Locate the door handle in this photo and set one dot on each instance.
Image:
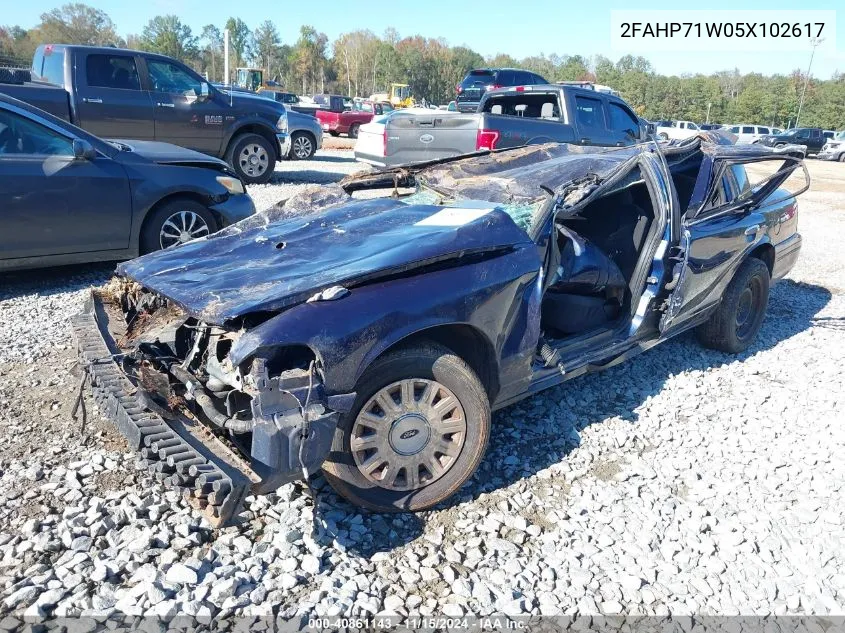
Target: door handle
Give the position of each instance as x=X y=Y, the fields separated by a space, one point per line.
x=752 y=230
x=91 y=100
x=165 y=105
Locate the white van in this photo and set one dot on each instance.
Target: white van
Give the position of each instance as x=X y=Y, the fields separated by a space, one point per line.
x=750 y=133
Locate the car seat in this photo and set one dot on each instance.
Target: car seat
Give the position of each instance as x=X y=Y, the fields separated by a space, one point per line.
x=587 y=289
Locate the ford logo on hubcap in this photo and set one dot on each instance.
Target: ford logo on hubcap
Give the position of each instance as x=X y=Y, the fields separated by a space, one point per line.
x=407 y=435
x=426 y=138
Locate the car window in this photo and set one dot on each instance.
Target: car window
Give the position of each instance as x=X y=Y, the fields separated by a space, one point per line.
x=167 y=77
x=816 y=133
x=505 y=78
x=735 y=129
x=112 y=71
x=477 y=78
x=19 y=135
x=802 y=134
x=621 y=120
x=762 y=130
x=525 y=104
x=740 y=179
x=748 y=129
x=589 y=113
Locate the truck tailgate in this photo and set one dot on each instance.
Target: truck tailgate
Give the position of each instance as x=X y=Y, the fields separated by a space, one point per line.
x=421 y=137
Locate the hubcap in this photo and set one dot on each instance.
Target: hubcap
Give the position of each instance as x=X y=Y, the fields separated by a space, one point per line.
x=748 y=308
x=181 y=227
x=301 y=147
x=408 y=434
x=253 y=160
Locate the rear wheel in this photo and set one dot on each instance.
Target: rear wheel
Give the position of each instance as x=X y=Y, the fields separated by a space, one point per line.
x=842 y=157
x=417 y=431
x=353 y=130
x=663 y=136
x=252 y=157
x=736 y=322
x=174 y=223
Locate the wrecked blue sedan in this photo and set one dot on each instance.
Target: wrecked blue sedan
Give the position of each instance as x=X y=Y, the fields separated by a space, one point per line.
x=373 y=337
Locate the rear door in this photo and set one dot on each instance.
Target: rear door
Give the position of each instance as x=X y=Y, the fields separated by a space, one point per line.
x=52 y=203
x=717 y=232
x=182 y=115
x=110 y=101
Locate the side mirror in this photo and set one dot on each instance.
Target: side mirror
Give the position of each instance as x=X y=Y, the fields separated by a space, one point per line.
x=205 y=92
x=651 y=129
x=83 y=150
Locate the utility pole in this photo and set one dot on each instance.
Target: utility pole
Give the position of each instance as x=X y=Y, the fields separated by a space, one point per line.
x=225 y=56
x=708 y=111
x=814 y=42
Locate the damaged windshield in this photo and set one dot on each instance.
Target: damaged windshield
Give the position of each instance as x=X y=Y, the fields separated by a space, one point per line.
x=521 y=214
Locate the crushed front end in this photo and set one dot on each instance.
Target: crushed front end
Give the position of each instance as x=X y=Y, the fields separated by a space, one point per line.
x=213 y=431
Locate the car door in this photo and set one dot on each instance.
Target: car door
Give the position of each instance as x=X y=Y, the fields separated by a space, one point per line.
x=188 y=112
x=719 y=230
x=592 y=126
x=52 y=203
x=817 y=140
x=110 y=101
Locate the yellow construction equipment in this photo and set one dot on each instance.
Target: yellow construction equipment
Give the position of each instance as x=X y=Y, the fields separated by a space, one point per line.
x=399 y=97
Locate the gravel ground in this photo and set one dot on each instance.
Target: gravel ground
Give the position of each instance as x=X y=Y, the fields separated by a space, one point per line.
x=685 y=481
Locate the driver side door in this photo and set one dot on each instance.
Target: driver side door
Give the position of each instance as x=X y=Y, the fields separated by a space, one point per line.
x=182 y=116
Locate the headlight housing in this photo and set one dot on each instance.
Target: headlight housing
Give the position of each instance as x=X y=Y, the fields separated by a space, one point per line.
x=282 y=123
x=233 y=185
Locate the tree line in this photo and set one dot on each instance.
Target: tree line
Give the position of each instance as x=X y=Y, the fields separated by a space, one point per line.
x=361 y=62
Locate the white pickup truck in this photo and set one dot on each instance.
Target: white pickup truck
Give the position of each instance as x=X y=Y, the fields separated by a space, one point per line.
x=676 y=129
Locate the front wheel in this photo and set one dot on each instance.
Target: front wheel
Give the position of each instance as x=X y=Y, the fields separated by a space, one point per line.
x=302 y=146
x=417 y=431
x=174 y=223
x=842 y=157
x=253 y=158
x=735 y=323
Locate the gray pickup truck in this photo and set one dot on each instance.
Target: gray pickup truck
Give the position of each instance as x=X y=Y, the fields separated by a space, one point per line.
x=506 y=117
x=116 y=93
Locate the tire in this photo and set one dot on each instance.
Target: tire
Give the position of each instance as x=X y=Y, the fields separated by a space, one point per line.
x=179 y=214
x=253 y=171
x=735 y=323
x=841 y=158
x=663 y=136
x=423 y=366
x=302 y=146
x=779 y=145
x=353 y=130
x=334 y=132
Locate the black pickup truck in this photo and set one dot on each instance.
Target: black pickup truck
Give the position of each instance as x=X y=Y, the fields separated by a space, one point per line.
x=117 y=93
x=506 y=117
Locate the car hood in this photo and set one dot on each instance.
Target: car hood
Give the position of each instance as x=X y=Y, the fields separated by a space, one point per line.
x=168 y=154
x=255 y=102
x=263 y=265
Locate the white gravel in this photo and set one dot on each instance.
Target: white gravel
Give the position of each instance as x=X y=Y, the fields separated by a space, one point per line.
x=685 y=481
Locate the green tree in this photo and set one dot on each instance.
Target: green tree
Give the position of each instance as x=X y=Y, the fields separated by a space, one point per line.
x=266 y=48
x=76 y=23
x=167 y=35
x=240 y=43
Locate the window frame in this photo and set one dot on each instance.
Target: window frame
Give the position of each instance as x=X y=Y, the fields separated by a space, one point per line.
x=150 y=61
x=52 y=130
x=602 y=125
x=110 y=56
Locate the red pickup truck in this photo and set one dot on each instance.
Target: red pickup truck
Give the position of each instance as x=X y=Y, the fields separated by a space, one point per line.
x=337 y=119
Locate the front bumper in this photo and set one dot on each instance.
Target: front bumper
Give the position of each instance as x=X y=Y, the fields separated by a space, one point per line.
x=183 y=453
x=234 y=209
x=284 y=144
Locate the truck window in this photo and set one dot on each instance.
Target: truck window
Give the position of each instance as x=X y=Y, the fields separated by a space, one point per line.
x=748 y=129
x=762 y=130
x=19 y=135
x=167 y=77
x=621 y=120
x=527 y=104
x=54 y=68
x=112 y=71
x=589 y=113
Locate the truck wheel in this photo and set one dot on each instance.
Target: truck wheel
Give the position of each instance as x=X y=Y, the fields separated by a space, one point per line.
x=334 y=132
x=417 y=431
x=302 y=146
x=735 y=323
x=353 y=130
x=663 y=136
x=252 y=157
x=176 y=222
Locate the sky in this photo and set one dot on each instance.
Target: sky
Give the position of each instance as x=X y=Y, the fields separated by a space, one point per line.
x=522 y=28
